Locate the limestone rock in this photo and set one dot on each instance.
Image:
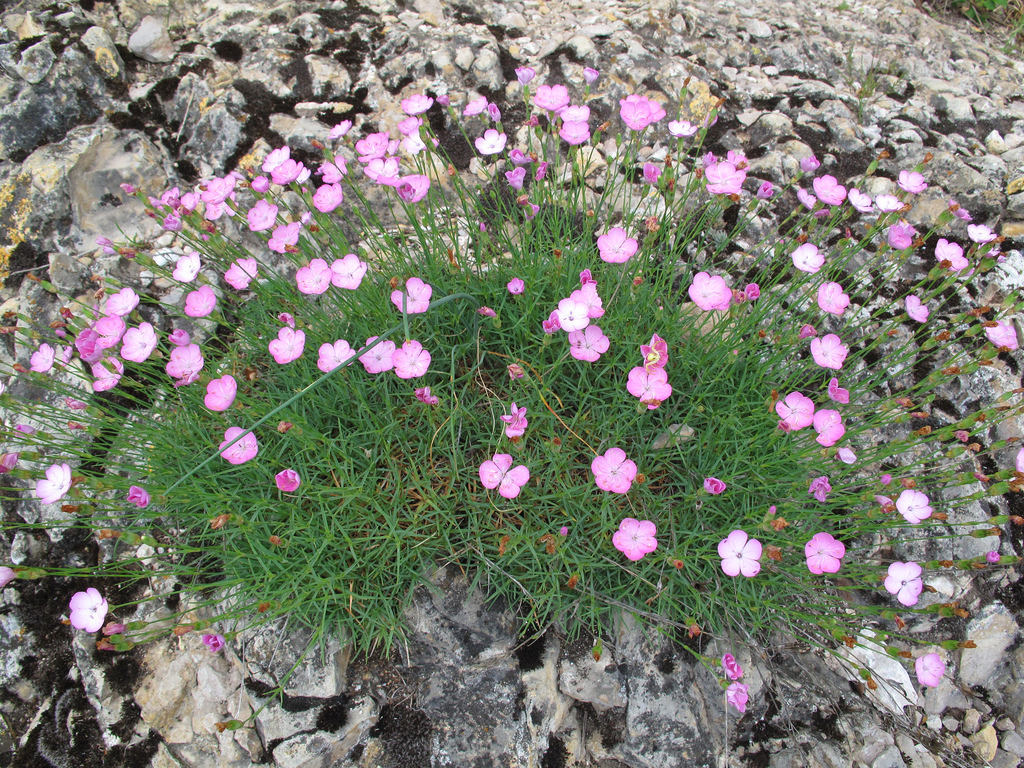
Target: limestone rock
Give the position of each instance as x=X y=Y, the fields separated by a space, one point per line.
x=151 y=42
x=992 y=630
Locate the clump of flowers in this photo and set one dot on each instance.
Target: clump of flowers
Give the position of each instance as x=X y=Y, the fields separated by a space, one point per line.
x=331 y=400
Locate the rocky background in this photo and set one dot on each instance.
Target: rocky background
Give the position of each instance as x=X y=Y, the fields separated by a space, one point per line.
x=98 y=93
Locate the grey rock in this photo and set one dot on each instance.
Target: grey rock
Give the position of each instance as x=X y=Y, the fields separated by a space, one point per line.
x=104 y=53
x=942 y=697
x=596 y=682
x=971 y=721
x=151 y=42
x=890 y=758
x=1004 y=760
x=771 y=126
x=758 y=29
x=1012 y=741
x=329 y=79
x=992 y=630
x=35 y=62
x=432 y=11
x=213 y=139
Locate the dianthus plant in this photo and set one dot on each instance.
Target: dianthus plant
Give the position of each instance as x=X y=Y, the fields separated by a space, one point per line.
x=578 y=378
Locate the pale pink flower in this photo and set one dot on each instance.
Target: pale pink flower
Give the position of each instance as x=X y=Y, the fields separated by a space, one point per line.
x=635 y=538
x=288 y=345
x=241 y=451
x=284 y=237
x=929 y=669
x=55 y=485
x=515 y=371
x=951 y=252
x=525 y=74
x=724 y=178
x=765 y=191
x=499 y=473
x=829 y=190
x=888 y=203
x=410 y=360
x=240 y=273
x=110 y=329
x=515 y=286
x=904 y=581
x=1002 y=334
x=809 y=164
x=807 y=331
x=1018 y=462
x=651 y=387
x=916 y=309
x=587 y=295
x=476 y=106
x=860 y=201
x=375 y=145
x=416 y=104
x=416 y=296
x=682 y=128
x=88 y=610
x=731 y=668
x=275 y=158
x=515 y=421
x=413 y=188
x=220 y=393
x=200 y=302
x=807 y=258
x=314 y=278
x=709 y=292
x=333 y=355
x=980 y=234
x=837 y=393
x=551 y=97
x=516 y=177
x=613 y=471
x=380 y=358
x=328 y=197
x=740 y=554
x=832 y=299
x=829 y=426
x=185 y=363
x=820 y=488
x=914 y=505
x=829 y=351
x=288 y=171
x=7 y=575
x=796 y=411
x=347 y=272
x=575 y=113
x=139 y=343
x=260 y=184
x=615 y=246
x=901 y=235
x=333 y=171
x=737 y=695
x=714 y=486
x=574 y=132
x=824 y=553
x=491 y=143
x=424 y=396
x=807 y=200
x=123 y=302
x=912 y=181
x=590 y=75
x=846 y=455
x=589 y=344
x=638 y=112
x=41 y=361
x=187 y=267
x=106 y=374
x=287 y=480
x=572 y=315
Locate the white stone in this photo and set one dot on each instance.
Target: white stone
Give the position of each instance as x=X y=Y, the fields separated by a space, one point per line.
x=151 y=42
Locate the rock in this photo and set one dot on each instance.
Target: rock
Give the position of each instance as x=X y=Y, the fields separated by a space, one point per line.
x=1004 y=760
x=35 y=62
x=971 y=721
x=895 y=690
x=890 y=758
x=758 y=29
x=1013 y=742
x=432 y=11
x=992 y=630
x=985 y=742
x=151 y=42
x=1012 y=229
x=98 y=43
x=994 y=143
x=595 y=682
x=942 y=697
x=770 y=127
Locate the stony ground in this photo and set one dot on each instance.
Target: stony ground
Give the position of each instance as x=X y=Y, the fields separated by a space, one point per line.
x=98 y=93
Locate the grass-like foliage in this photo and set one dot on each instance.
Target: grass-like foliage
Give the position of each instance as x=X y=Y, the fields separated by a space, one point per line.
x=584 y=382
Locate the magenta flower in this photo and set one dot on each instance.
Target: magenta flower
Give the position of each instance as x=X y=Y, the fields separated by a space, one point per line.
x=824 y=553
x=714 y=486
x=993 y=557
x=417 y=296
x=615 y=246
x=179 y=337
x=651 y=387
x=261 y=216
x=951 y=252
x=807 y=258
x=914 y=505
x=837 y=393
x=552 y=324
x=724 y=178
x=110 y=329
x=240 y=273
x=284 y=237
x=860 y=201
x=314 y=278
x=88 y=610
x=138 y=496
x=574 y=132
x=411 y=360
x=260 y=184
x=900 y=235
x=55 y=485
x=220 y=393
x=499 y=473
x=829 y=426
x=333 y=355
x=635 y=538
x=424 y=396
x=904 y=581
x=655 y=353
x=486 y=312
x=185 y=363
x=8 y=461
x=638 y=112
x=929 y=669
x=213 y=642
x=980 y=234
x=1002 y=334
x=380 y=358
x=912 y=181
x=287 y=346
x=515 y=421
x=613 y=471
x=551 y=97
x=589 y=344
x=287 y=480
x=651 y=173
x=106 y=374
x=491 y=143
x=42 y=359
x=820 y=488
x=347 y=272
x=730 y=667
x=740 y=554
x=87 y=345
x=241 y=451
x=413 y=187
x=709 y=292
x=200 y=302
x=829 y=351
x=736 y=695
x=516 y=177
x=122 y=303
x=796 y=411
x=832 y=299
x=515 y=286
x=807 y=331
x=829 y=190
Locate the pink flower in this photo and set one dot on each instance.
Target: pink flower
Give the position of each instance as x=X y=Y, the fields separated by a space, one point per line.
x=314 y=278
x=829 y=426
x=261 y=216
x=912 y=181
x=491 y=143
x=379 y=359
x=213 y=642
x=138 y=496
x=590 y=75
x=993 y=557
x=916 y=309
x=260 y=184
x=275 y=158
x=724 y=178
x=287 y=480
x=42 y=359
x=287 y=346
x=1018 y=462
x=553 y=324
x=824 y=553
x=901 y=235
x=832 y=299
x=525 y=74
x=914 y=506
x=765 y=191
x=347 y=272
x=417 y=104
x=731 y=668
x=655 y=353
x=288 y=171
x=587 y=295
x=860 y=201
x=241 y=451
x=476 y=106
x=575 y=113
x=846 y=455
x=240 y=273
x=829 y=351
x=75 y=405
x=179 y=337
x=615 y=246
x=929 y=668
x=87 y=345
x=551 y=97
x=516 y=177
x=740 y=554
x=410 y=360
x=736 y=695
x=122 y=303
x=651 y=173
x=515 y=371
x=572 y=315
x=904 y=581
x=638 y=112
x=373 y=146
x=807 y=331
x=796 y=411
x=284 y=236
x=807 y=258
x=574 y=132
x=682 y=128
x=589 y=344
x=416 y=296
x=110 y=329
x=139 y=343
x=7 y=575
x=888 y=203
x=55 y=485
x=714 y=486
x=424 y=396
x=185 y=364
x=837 y=393
x=809 y=164
x=486 y=312
x=828 y=190
x=106 y=373
x=413 y=188
x=333 y=355
x=383 y=170
x=613 y=471
x=651 y=387
x=333 y=171
x=1002 y=334
x=635 y=538
x=328 y=197
x=515 y=421
x=709 y=292
x=951 y=252
x=515 y=286
x=220 y=393
x=88 y=610
x=499 y=473
x=980 y=234
x=200 y=302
